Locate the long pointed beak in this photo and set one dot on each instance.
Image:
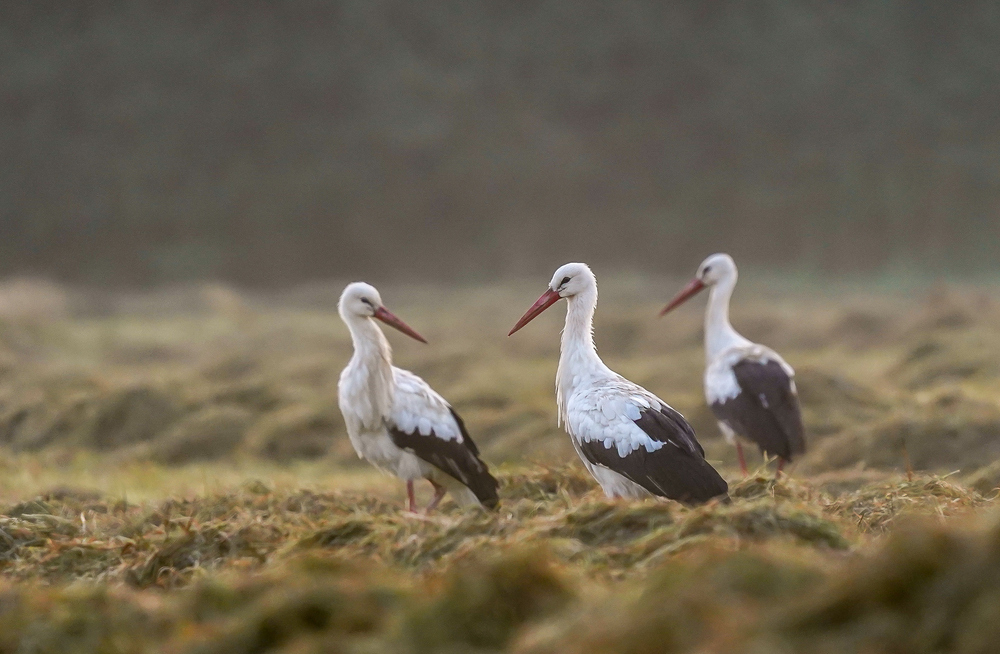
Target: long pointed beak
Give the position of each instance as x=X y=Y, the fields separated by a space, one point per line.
x=548 y=298
x=388 y=318
x=688 y=291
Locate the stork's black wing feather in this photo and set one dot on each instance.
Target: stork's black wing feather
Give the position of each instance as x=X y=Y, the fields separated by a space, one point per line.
x=677 y=471
x=767 y=409
x=669 y=423
x=466 y=439
x=458 y=460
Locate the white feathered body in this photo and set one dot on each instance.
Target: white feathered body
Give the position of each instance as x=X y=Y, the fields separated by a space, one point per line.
x=374 y=394
x=604 y=410
x=748 y=386
x=725 y=348
x=597 y=404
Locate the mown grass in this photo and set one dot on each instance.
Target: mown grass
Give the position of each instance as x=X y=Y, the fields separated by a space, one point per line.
x=255 y=569
x=175 y=478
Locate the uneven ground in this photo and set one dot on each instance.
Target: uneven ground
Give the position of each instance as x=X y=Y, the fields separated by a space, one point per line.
x=177 y=478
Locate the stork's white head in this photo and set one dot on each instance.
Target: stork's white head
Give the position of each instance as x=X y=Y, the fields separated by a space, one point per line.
x=359 y=299
x=569 y=280
x=572 y=279
x=714 y=269
x=362 y=301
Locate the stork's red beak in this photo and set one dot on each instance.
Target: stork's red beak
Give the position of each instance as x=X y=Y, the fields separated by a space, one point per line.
x=386 y=316
x=691 y=289
x=548 y=298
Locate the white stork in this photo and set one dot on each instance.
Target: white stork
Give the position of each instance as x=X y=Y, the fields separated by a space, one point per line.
x=631 y=441
x=749 y=387
x=395 y=420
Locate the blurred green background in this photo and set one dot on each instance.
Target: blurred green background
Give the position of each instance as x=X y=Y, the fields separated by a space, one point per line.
x=268 y=143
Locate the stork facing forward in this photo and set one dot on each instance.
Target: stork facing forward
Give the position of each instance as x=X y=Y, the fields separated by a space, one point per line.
x=631 y=441
x=395 y=420
x=749 y=387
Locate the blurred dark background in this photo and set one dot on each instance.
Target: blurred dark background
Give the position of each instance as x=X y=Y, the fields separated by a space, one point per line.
x=267 y=143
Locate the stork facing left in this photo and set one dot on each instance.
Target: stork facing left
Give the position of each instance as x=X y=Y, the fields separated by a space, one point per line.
x=749 y=387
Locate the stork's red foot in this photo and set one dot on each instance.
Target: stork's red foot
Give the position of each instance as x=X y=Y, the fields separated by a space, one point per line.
x=412 y=504
x=439 y=492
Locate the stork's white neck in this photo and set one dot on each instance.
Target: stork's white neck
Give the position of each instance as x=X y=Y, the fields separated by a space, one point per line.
x=719 y=333
x=578 y=360
x=369 y=372
x=369 y=341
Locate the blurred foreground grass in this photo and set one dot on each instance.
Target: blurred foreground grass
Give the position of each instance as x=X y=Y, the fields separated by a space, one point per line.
x=175 y=478
x=785 y=566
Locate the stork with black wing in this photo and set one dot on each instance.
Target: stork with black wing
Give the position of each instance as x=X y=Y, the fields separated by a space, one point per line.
x=749 y=387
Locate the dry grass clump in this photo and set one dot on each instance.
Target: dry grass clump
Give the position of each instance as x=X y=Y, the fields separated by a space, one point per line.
x=482 y=604
x=950 y=352
x=709 y=602
x=876 y=507
x=209 y=434
x=307 y=605
x=87 y=619
x=929 y=589
x=298 y=432
x=832 y=403
x=543 y=482
x=985 y=480
x=946 y=429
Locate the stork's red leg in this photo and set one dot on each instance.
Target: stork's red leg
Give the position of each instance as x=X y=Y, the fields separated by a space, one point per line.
x=439 y=492
x=409 y=495
x=743 y=462
x=781 y=464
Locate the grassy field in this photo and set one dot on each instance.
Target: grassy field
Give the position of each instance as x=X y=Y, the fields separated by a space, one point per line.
x=176 y=478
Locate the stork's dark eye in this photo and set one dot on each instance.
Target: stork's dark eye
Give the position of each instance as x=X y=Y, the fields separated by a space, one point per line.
x=564 y=281
x=707 y=270
x=367 y=301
